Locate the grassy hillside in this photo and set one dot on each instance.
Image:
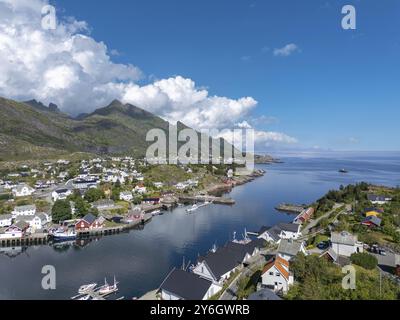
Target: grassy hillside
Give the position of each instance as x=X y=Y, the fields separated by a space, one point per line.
x=31 y=130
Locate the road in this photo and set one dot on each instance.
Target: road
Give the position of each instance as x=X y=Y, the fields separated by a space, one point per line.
x=258 y=261
x=315 y=222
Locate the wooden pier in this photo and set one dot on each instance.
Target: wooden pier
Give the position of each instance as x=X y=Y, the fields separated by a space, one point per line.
x=290 y=208
x=30 y=240
x=215 y=200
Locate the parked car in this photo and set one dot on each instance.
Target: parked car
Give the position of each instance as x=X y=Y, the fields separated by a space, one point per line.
x=323 y=245
x=382 y=252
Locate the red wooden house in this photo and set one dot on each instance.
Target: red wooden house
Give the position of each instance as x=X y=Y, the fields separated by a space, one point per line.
x=89 y=222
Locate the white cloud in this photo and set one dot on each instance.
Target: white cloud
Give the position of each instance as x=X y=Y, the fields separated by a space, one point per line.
x=286 y=50
x=68 y=67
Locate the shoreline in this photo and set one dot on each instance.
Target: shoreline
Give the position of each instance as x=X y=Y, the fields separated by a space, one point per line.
x=212 y=192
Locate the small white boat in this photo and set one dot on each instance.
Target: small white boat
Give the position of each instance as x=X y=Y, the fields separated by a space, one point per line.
x=192 y=208
x=108 y=289
x=86 y=288
x=156 y=212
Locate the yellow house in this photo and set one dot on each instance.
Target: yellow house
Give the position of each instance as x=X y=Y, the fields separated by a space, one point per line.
x=371 y=213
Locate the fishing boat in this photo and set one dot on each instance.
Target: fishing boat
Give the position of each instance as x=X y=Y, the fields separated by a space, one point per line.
x=64 y=235
x=108 y=289
x=86 y=288
x=343 y=171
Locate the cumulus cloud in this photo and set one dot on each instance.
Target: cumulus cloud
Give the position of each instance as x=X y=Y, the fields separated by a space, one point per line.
x=68 y=67
x=286 y=50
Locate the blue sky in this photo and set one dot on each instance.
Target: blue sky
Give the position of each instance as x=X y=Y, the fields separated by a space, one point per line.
x=338 y=90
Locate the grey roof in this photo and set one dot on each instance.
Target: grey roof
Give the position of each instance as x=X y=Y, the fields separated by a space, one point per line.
x=291 y=227
x=343 y=238
x=264 y=294
x=186 y=285
x=104 y=203
x=223 y=260
x=374 y=197
x=25 y=208
x=289 y=247
x=230 y=256
x=375 y=220
x=59 y=191
x=89 y=218
x=25 y=218
x=5 y=216
x=275 y=231
x=21 y=225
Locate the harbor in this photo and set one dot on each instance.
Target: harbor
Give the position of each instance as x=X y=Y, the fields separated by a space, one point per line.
x=143 y=258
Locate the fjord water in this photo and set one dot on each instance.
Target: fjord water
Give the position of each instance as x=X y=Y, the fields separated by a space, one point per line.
x=142 y=258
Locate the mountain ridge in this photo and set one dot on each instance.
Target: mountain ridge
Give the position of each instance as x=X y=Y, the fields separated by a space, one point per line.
x=31 y=130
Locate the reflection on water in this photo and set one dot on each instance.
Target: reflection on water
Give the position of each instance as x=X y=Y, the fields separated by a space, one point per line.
x=141 y=259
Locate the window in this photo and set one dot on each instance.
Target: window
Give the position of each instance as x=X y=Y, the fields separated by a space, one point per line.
x=271 y=273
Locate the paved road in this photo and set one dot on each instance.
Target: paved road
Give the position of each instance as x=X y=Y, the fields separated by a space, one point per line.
x=315 y=222
x=256 y=262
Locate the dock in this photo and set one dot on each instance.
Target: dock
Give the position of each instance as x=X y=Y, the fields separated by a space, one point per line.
x=28 y=240
x=215 y=200
x=290 y=208
x=114 y=230
x=94 y=295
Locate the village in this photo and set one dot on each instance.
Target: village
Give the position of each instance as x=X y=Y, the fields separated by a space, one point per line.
x=70 y=199
x=283 y=261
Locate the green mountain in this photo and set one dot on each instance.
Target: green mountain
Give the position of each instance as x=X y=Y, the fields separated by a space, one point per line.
x=31 y=130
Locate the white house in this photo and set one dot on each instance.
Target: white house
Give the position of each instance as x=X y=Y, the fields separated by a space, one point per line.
x=61 y=194
x=126 y=196
x=158 y=185
x=36 y=222
x=289 y=248
x=141 y=189
x=345 y=244
x=5 y=220
x=375 y=199
x=276 y=275
x=281 y=231
x=23 y=190
x=29 y=210
x=184 y=285
x=181 y=186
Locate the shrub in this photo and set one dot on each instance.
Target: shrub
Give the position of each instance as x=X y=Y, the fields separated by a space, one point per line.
x=364 y=260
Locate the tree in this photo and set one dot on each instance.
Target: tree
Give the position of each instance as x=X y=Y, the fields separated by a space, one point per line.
x=81 y=207
x=93 y=195
x=61 y=211
x=365 y=260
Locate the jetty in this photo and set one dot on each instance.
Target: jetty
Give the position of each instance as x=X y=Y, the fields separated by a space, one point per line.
x=212 y=199
x=290 y=208
x=28 y=240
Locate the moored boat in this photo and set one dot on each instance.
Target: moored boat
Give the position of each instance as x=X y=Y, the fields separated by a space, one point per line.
x=107 y=289
x=64 y=235
x=87 y=287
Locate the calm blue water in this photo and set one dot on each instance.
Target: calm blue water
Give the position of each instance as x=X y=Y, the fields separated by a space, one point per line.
x=141 y=259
